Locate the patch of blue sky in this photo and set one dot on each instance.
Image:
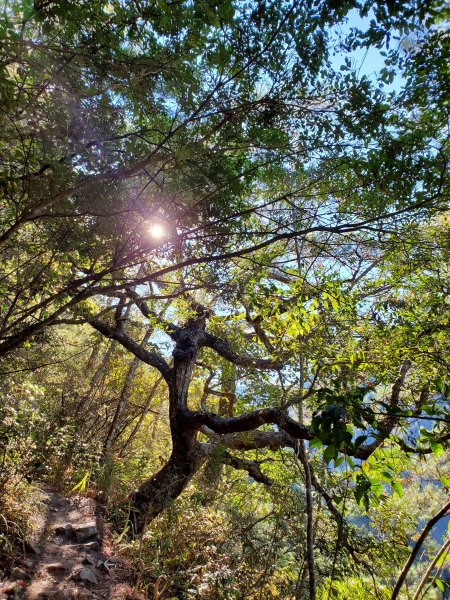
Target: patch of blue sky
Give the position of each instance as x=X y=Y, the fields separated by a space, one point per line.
x=365 y=61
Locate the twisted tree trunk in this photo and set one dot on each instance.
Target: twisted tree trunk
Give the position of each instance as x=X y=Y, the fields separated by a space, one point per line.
x=232 y=432
x=187 y=455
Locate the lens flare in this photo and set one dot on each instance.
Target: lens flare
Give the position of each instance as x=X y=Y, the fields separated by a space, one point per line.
x=157 y=231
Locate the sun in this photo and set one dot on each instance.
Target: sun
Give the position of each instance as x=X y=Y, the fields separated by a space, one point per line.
x=157 y=231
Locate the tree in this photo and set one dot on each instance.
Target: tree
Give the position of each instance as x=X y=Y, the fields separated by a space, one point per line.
x=211 y=154
x=237 y=101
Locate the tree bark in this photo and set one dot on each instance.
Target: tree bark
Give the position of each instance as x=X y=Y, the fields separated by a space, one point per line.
x=164 y=487
x=304 y=459
x=187 y=455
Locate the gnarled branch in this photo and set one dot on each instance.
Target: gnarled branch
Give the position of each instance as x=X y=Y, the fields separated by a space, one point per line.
x=224 y=349
x=150 y=358
x=253 y=467
x=250 y=421
x=252 y=440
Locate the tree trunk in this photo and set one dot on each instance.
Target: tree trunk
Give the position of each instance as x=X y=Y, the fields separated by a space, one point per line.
x=187 y=456
x=304 y=459
x=164 y=487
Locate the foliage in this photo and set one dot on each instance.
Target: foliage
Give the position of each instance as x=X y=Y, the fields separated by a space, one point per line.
x=224 y=251
x=19 y=504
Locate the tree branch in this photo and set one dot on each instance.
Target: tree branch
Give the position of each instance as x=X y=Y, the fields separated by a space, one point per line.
x=224 y=349
x=170 y=328
x=251 y=440
x=150 y=358
x=252 y=467
x=388 y=423
x=418 y=450
x=426 y=530
x=256 y=323
x=250 y=421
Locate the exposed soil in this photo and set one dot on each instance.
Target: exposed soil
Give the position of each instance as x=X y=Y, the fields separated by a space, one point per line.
x=70 y=557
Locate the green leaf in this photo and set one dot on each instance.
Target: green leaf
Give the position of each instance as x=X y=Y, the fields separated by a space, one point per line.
x=440 y=585
x=329 y=453
x=398 y=488
x=82 y=484
x=365 y=467
x=315 y=443
x=386 y=476
x=441 y=560
x=436 y=448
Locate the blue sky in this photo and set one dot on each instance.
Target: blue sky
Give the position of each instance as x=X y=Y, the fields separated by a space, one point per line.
x=366 y=61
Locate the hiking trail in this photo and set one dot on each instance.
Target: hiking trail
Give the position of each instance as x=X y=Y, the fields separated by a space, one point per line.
x=70 y=556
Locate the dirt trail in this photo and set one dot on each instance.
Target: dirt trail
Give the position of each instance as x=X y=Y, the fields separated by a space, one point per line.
x=72 y=557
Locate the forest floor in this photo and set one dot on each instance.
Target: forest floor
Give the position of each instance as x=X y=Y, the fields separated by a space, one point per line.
x=71 y=556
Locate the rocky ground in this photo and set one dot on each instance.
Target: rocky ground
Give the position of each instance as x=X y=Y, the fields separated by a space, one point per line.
x=70 y=557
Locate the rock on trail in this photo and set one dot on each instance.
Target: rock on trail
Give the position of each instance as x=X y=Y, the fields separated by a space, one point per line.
x=71 y=559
